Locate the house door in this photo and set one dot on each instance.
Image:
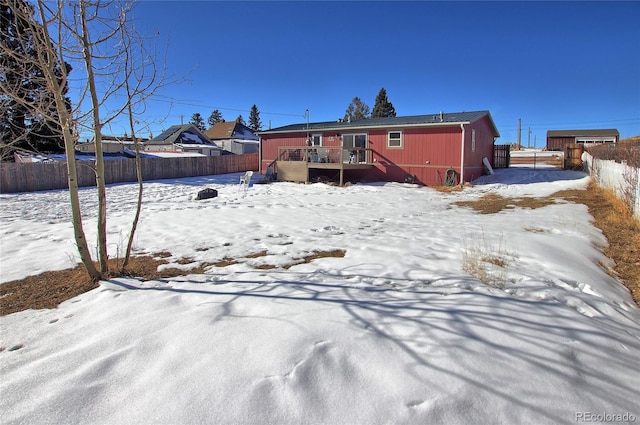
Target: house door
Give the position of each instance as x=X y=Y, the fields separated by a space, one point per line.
x=353 y=146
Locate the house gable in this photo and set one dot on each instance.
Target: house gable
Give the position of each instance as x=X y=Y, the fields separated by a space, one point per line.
x=230 y=130
x=183 y=138
x=185 y=134
x=233 y=137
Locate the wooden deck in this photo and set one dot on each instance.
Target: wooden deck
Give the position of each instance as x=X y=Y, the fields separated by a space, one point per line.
x=294 y=163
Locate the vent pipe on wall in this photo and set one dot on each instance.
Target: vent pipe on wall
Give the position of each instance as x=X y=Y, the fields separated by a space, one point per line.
x=462 y=156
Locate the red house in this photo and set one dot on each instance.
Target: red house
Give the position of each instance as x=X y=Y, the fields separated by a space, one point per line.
x=434 y=150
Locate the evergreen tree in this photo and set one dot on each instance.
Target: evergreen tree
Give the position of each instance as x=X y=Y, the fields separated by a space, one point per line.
x=215 y=117
x=383 y=108
x=240 y=120
x=357 y=110
x=198 y=121
x=254 y=119
x=23 y=128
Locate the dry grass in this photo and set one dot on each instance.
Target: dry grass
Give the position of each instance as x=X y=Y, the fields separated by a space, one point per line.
x=620 y=228
x=628 y=150
x=336 y=253
x=487 y=261
x=611 y=215
x=447 y=189
x=49 y=289
x=257 y=254
x=226 y=261
x=492 y=203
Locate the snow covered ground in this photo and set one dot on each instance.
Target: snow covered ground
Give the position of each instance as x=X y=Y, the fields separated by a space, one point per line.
x=396 y=332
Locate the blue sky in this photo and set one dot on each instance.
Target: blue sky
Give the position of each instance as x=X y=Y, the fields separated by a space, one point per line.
x=554 y=65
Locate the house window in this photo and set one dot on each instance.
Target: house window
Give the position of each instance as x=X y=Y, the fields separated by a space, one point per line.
x=394 y=139
x=473 y=140
x=354 y=146
x=316 y=139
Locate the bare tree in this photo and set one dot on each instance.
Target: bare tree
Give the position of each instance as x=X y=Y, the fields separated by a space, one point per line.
x=97 y=37
x=41 y=22
x=142 y=80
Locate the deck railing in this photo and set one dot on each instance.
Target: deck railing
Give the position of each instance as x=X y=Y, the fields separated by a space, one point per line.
x=325 y=155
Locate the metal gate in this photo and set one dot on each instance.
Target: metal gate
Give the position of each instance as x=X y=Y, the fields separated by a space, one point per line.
x=501 y=156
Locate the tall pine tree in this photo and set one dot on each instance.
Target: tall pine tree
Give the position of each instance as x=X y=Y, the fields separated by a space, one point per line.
x=215 y=117
x=383 y=108
x=23 y=128
x=254 y=119
x=198 y=121
x=357 y=110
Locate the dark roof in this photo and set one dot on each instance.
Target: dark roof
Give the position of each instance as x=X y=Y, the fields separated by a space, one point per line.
x=583 y=133
x=164 y=136
x=186 y=133
x=438 y=119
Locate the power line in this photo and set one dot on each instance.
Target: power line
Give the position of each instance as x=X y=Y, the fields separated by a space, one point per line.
x=186 y=103
x=576 y=122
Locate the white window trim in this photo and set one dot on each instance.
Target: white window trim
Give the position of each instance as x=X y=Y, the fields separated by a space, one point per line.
x=595 y=139
x=401 y=146
x=314 y=135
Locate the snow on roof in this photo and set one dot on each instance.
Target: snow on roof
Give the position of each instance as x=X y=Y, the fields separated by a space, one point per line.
x=166 y=154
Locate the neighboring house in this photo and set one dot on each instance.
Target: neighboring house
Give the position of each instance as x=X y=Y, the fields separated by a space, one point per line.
x=111 y=144
x=234 y=137
x=559 y=140
x=185 y=138
x=431 y=149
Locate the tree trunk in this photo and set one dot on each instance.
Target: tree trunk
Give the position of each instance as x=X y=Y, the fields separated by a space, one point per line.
x=134 y=224
x=136 y=218
x=78 y=230
x=97 y=126
x=46 y=51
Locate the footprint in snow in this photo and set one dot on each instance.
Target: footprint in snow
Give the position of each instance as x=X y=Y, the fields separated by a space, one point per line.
x=414 y=403
x=14 y=348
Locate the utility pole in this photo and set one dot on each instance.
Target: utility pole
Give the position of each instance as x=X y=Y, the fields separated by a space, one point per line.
x=529 y=138
x=181 y=119
x=519 y=134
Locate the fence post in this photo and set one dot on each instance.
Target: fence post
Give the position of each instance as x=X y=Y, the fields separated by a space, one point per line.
x=636 y=209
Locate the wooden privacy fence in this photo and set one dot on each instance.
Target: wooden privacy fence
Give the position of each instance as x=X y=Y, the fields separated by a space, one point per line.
x=501 y=156
x=35 y=176
x=573 y=157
